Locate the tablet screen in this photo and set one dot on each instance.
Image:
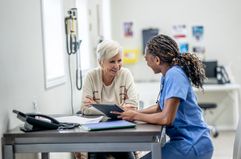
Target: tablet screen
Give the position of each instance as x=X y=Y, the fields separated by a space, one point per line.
x=107 y=108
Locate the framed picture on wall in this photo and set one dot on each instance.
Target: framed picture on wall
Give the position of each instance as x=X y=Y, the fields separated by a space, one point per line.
x=128 y=30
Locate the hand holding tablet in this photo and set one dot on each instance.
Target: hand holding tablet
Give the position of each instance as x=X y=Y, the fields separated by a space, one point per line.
x=107 y=109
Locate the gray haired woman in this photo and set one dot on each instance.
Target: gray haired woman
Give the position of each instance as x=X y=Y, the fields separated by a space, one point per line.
x=109 y=83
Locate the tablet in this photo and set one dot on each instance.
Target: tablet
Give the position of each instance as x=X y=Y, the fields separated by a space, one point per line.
x=118 y=124
x=107 y=108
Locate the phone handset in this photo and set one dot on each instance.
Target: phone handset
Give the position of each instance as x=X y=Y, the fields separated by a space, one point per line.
x=43 y=117
x=36 y=116
x=36 y=122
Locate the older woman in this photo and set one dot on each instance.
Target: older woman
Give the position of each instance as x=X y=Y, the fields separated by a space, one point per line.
x=109 y=83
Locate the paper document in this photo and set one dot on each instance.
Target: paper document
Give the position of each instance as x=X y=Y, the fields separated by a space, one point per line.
x=78 y=119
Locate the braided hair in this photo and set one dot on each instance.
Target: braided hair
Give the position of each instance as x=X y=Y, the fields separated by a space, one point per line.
x=166 y=49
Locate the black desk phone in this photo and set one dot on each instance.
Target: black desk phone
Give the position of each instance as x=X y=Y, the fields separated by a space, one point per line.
x=37 y=122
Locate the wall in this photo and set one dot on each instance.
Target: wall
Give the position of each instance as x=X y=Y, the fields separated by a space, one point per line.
x=221 y=22
x=219 y=17
x=21 y=65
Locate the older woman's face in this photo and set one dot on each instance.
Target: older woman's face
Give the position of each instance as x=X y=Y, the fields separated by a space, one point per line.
x=113 y=65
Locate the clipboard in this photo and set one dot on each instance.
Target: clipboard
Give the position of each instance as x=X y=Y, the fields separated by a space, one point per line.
x=107 y=108
x=118 y=124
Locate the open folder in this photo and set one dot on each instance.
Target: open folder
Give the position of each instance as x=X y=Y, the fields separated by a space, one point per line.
x=117 y=124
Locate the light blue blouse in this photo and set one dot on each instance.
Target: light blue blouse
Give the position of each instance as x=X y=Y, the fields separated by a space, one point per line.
x=188 y=129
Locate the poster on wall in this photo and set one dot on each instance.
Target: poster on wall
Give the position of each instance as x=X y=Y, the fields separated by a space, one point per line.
x=180 y=35
x=197 y=32
x=130 y=56
x=128 y=29
x=198 y=35
x=147 y=34
x=183 y=47
x=198 y=49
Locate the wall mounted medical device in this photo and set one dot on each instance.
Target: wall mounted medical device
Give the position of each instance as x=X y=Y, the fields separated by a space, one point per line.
x=73 y=42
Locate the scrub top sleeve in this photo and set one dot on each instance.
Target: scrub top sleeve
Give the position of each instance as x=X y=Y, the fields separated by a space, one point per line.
x=176 y=85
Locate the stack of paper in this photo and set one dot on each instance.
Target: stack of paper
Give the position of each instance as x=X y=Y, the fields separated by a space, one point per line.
x=78 y=119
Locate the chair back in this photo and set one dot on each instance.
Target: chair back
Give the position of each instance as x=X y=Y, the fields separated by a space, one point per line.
x=237 y=142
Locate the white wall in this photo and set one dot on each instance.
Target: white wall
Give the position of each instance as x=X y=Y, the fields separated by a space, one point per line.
x=21 y=65
x=219 y=17
x=222 y=33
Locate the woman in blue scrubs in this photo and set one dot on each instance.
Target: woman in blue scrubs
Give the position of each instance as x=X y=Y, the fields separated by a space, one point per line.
x=177 y=106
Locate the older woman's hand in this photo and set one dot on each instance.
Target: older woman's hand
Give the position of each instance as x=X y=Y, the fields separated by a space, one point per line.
x=88 y=101
x=127 y=115
x=129 y=107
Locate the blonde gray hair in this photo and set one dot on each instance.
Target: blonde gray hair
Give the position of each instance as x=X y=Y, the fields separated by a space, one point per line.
x=107 y=49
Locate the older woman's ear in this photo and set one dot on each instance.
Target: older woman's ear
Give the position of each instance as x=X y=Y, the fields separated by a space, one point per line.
x=101 y=63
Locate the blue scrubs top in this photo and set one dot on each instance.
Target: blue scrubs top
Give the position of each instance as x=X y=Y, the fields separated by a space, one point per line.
x=188 y=129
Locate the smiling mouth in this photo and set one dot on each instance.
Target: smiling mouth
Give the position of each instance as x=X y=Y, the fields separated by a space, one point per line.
x=115 y=71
